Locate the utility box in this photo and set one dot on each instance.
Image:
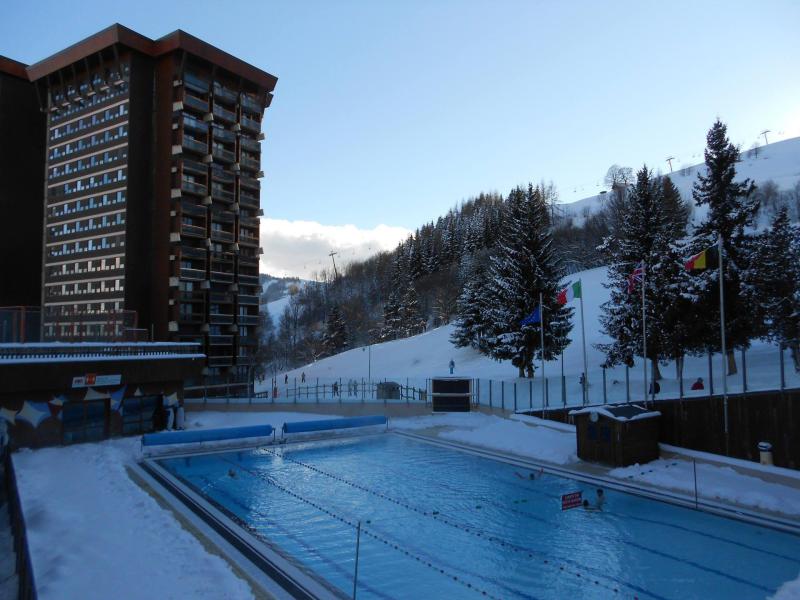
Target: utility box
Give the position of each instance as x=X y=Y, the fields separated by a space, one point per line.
x=618 y=435
x=451 y=394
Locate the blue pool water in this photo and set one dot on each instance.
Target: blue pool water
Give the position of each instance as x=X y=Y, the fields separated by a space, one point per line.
x=441 y=523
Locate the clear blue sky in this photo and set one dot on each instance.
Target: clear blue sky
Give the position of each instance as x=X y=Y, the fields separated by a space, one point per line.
x=391 y=112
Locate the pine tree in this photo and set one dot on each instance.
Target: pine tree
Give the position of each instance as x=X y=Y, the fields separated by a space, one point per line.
x=778 y=283
x=470 y=325
x=335 y=337
x=523 y=266
x=410 y=321
x=647 y=230
x=732 y=207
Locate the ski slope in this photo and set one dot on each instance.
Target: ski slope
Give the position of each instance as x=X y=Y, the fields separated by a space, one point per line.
x=427 y=355
x=779 y=162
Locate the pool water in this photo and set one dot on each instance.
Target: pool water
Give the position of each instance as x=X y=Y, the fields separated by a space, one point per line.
x=441 y=523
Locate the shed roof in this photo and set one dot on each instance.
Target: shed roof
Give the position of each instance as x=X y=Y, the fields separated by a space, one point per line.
x=619 y=412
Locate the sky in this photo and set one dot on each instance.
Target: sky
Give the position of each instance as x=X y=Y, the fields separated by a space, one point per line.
x=386 y=114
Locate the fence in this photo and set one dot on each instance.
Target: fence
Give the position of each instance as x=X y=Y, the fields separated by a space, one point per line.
x=27 y=587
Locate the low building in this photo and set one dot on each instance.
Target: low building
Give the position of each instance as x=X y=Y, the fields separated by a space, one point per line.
x=62 y=393
x=618 y=435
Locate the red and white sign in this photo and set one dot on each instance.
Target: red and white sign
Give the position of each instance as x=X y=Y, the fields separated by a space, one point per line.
x=93 y=379
x=571 y=500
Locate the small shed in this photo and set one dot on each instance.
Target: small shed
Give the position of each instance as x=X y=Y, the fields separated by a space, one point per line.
x=451 y=394
x=618 y=435
x=388 y=390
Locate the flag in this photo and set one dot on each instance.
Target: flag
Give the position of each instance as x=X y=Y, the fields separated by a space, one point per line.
x=708 y=258
x=635 y=277
x=533 y=318
x=569 y=293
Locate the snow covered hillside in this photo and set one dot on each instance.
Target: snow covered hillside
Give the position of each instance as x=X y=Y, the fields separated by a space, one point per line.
x=779 y=162
x=276 y=292
x=428 y=354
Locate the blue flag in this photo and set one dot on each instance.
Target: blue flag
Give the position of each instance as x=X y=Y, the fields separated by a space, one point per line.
x=533 y=318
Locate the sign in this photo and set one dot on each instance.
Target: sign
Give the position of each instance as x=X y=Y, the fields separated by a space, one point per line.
x=571 y=500
x=92 y=379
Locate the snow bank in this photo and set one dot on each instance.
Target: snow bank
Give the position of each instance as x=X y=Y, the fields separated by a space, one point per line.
x=715 y=482
x=539 y=443
x=93 y=532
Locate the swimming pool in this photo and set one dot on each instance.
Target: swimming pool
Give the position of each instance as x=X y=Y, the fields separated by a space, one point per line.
x=440 y=523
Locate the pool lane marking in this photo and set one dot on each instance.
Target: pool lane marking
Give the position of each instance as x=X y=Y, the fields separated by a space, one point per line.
x=480 y=533
x=390 y=543
x=679 y=527
x=242 y=523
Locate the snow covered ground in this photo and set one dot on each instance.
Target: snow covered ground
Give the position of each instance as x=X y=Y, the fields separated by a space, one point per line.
x=428 y=354
x=83 y=509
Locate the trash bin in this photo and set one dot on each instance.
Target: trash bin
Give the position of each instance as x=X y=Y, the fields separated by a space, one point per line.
x=765 y=450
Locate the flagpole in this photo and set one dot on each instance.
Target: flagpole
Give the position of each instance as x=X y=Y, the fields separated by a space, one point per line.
x=644 y=334
x=585 y=362
x=541 y=332
x=724 y=346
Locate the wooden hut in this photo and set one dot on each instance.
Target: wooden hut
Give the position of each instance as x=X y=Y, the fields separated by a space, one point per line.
x=618 y=435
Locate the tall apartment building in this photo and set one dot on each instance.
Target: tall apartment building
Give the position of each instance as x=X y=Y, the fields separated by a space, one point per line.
x=152 y=192
x=22 y=127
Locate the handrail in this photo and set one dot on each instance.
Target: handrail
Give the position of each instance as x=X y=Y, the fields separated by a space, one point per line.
x=24 y=567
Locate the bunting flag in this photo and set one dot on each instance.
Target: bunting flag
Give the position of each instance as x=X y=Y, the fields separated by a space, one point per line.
x=637 y=276
x=8 y=415
x=34 y=412
x=116 y=399
x=569 y=293
x=708 y=258
x=533 y=318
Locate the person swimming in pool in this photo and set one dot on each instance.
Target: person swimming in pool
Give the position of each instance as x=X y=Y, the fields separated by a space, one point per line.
x=231 y=473
x=601 y=499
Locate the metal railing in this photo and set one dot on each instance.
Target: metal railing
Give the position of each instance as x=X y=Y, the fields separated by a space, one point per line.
x=95 y=349
x=24 y=568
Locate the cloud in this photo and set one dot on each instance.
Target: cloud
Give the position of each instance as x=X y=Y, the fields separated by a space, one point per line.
x=299 y=248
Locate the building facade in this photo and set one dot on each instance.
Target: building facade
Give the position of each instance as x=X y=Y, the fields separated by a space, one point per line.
x=152 y=201
x=22 y=140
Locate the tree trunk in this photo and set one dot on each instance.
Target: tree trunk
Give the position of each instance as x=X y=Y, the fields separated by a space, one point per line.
x=521 y=371
x=656 y=376
x=731 y=362
x=796 y=356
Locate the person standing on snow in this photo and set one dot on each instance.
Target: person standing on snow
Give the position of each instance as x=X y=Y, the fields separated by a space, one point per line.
x=452 y=366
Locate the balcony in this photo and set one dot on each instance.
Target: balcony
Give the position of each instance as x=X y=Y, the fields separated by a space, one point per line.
x=224 y=114
x=221 y=195
x=250 y=163
x=196 y=103
x=250 y=183
x=191 y=252
x=223 y=155
x=193 y=187
x=249 y=221
x=222 y=257
x=248 y=240
x=251 y=104
x=225 y=94
x=222 y=216
x=193 y=274
x=220 y=319
x=248 y=299
x=193 y=166
x=247 y=319
x=220 y=298
x=222 y=276
x=193 y=209
x=251 y=125
x=193 y=317
x=220 y=235
x=220 y=340
x=248 y=200
x=223 y=135
x=250 y=144
x=192 y=296
x=246 y=259
x=194 y=145
x=193 y=124
x=220 y=361
x=193 y=231
x=220 y=174
x=196 y=83
x=248 y=279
